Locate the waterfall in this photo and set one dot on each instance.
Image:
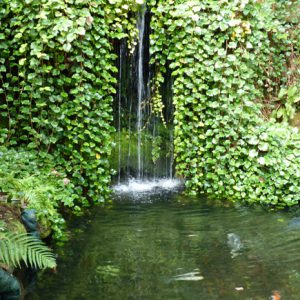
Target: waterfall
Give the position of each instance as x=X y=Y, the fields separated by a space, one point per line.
x=143 y=156
x=119 y=95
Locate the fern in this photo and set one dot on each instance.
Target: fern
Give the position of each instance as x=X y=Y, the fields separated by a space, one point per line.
x=15 y=248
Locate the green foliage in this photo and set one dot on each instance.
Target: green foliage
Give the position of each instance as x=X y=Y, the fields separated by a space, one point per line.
x=24 y=176
x=57 y=73
x=227 y=58
x=2 y=225
x=156 y=148
x=287 y=101
x=17 y=248
x=231 y=64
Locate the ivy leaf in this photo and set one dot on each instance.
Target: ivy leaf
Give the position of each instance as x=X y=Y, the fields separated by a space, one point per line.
x=261 y=161
x=282 y=93
x=67 y=47
x=263 y=147
x=253 y=140
x=253 y=153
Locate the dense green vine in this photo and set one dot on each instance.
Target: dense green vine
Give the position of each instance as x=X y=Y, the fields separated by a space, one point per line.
x=226 y=58
x=231 y=64
x=57 y=73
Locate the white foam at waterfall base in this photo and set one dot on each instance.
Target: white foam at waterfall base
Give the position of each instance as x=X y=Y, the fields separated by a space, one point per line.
x=146 y=186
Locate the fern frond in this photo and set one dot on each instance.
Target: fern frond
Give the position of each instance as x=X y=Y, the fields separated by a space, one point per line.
x=15 y=248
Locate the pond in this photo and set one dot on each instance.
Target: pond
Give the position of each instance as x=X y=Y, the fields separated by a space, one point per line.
x=161 y=244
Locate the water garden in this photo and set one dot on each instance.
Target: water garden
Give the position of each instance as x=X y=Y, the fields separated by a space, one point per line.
x=149 y=149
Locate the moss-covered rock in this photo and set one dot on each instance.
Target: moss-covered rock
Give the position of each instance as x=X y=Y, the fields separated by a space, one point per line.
x=10 y=218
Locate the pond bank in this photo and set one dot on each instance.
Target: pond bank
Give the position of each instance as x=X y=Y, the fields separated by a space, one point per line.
x=21 y=251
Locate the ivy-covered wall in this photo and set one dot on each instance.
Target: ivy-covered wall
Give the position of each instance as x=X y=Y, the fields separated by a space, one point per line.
x=234 y=68
x=229 y=59
x=57 y=74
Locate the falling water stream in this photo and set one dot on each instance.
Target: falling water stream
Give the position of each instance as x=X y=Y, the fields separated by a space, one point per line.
x=119 y=113
x=140 y=88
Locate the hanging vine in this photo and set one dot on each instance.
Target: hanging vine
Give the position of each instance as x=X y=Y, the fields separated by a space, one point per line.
x=57 y=74
x=229 y=61
x=226 y=57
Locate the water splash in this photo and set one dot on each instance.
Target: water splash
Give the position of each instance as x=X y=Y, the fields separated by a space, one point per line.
x=145 y=186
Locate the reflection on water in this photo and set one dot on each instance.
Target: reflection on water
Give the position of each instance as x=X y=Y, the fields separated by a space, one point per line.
x=177 y=249
x=235 y=244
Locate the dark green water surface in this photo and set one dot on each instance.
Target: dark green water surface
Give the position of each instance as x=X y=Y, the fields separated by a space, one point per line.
x=168 y=247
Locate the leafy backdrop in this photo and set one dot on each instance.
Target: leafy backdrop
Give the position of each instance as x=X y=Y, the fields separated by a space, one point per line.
x=234 y=72
x=57 y=74
x=229 y=61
